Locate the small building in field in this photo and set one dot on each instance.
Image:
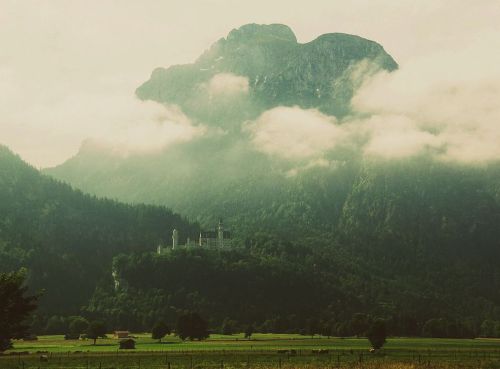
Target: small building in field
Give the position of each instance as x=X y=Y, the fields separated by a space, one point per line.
x=122 y=334
x=127 y=344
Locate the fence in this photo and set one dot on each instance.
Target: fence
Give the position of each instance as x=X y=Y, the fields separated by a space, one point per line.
x=277 y=359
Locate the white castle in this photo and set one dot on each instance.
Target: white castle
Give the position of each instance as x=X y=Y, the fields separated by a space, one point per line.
x=218 y=238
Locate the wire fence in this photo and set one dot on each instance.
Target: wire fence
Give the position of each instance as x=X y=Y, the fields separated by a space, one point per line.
x=278 y=359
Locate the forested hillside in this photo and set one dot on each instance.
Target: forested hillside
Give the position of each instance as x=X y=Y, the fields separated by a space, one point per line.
x=286 y=162
x=399 y=245
x=67 y=239
x=407 y=241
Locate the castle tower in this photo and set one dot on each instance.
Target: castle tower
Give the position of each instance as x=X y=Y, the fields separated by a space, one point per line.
x=175 y=239
x=220 y=234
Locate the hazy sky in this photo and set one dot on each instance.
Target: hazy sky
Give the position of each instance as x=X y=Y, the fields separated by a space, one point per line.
x=68 y=69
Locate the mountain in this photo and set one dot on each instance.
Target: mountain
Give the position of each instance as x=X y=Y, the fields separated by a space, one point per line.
x=280 y=72
x=409 y=239
x=254 y=69
x=67 y=239
x=410 y=242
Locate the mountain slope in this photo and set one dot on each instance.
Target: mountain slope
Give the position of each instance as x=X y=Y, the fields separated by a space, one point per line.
x=255 y=68
x=408 y=241
x=67 y=239
x=415 y=236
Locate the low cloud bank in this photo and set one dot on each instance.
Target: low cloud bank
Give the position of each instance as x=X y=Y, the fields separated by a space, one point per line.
x=149 y=127
x=294 y=133
x=41 y=124
x=446 y=104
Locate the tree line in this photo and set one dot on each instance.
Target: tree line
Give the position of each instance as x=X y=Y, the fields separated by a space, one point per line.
x=17 y=305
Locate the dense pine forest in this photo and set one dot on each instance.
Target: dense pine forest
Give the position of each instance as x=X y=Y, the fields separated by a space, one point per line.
x=379 y=263
x=67 y=239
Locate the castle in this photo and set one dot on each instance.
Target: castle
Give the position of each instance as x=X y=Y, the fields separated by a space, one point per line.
x=217 y=238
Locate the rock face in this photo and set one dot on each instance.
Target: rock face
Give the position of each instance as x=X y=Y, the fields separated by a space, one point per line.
x=280 y=71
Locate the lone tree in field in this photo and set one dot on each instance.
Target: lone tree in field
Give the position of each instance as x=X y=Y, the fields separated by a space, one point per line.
x=96 y=329
x=249 y=331
x=377 y=333
x=160 y=330
x=15 y=307
x=191 y=326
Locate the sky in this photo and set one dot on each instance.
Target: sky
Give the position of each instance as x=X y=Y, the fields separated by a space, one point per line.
x=68 y=69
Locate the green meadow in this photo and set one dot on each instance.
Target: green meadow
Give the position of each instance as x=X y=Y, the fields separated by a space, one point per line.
x=262 y=351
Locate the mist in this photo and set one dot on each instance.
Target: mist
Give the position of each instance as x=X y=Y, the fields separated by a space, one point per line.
x=444 y=104
x=68 y=72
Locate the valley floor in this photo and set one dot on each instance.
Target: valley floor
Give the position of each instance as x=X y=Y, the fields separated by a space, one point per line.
x=262 y=351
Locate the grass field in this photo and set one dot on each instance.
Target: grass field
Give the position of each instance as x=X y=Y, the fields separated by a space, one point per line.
x=263 y=351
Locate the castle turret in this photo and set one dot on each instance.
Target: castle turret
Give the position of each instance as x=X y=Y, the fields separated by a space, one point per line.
x=175 y=239
x=220 y=234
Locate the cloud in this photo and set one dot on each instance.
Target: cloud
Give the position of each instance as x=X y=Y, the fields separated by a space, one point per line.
x=48 y=126
x=395 y=137
x=447 y=100
x=314 y=163
x=148 y=127
x=227 y=85
x=294 y=133
x=58 y=57
x=444 y=104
